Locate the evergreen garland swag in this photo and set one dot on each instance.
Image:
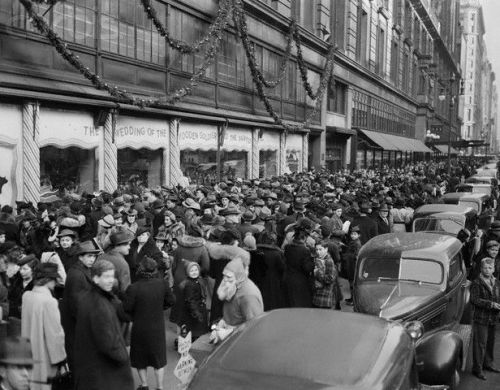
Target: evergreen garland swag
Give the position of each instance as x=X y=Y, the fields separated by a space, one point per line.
x=211 y=41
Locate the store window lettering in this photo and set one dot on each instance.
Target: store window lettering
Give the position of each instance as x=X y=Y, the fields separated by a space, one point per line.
x=91 y=131
x=132 y=131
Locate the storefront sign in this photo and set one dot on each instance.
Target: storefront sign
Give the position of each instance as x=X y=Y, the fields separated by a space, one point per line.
x=137 y=133
x=294 y=142
x=270 y=140
x=238 y=140
x=65 y=128
x=197 y=136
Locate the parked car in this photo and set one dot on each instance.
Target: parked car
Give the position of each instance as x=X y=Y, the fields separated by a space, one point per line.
x=318 y=349
x=418 y=276
x=480 y=188
x=456 y=220
x=483 y=203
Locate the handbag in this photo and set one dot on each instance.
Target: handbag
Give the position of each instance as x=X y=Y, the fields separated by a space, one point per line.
x=63 y=380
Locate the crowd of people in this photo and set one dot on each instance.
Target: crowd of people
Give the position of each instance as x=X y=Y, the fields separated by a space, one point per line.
x=76 y=270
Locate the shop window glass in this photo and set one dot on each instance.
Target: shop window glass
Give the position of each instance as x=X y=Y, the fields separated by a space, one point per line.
x=293 y=160
x=81 y=173
x=268 y=163
x=144 y=164
x=201 y=166
x=360 y=159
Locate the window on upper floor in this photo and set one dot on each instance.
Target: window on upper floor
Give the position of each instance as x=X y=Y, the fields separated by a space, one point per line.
x=380 y=64
x=394 y=62
x=405 y=82
x=416 y=33
x=74 y=21
x=362 y=36
x=338 y=22
x=307 y=14
x=397 y=12
x=126 y=30
x=469 y=114
x=468 y=131
x=408 y=20
x=336 y=100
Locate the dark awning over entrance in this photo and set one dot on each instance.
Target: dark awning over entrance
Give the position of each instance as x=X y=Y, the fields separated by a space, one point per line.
x=394 y=142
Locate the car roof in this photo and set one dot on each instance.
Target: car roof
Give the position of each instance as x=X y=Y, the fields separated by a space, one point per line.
x=307 y=349
x=434 y=208
x=421 y=245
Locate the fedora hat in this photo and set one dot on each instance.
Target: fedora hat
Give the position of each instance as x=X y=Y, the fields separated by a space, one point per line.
x=67 y=233
x=132 y=212
x=248 y=216
x=230 y=211
x=161 y=236
x=85 y=247
x=107 y=221
x=383 y=207
x=16 y=351
x=190 y=203
x=142 y=230
x=121 y=237
x=157 y=204
x=46 y=270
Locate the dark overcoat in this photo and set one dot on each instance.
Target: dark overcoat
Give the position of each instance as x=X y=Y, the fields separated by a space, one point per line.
x=298 y=275
x=145 y=301
x=193 y=310
x=149 y=249
x=272 y=285
x=78 y=283
x=101 y=358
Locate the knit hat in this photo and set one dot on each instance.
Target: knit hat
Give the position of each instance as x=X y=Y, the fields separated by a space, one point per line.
x=191 y=264
x=249 y=242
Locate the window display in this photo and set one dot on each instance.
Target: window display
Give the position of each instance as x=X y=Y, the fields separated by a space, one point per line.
x=81 y=173
x=142 y=164
x=268 y=163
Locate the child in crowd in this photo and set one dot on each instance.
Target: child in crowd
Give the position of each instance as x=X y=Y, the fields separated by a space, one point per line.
x=349 y=257
x=325 y=278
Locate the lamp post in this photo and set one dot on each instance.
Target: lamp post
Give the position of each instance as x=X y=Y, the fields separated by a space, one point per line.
x=441 y=97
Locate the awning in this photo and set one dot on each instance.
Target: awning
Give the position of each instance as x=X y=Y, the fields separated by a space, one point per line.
x=394 y=142
x=444 y=149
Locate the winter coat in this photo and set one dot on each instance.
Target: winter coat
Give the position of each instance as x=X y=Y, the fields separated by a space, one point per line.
x=482 y=296
x=41 y=324
x=349 y=257
x=67 y=257
x=193 y=311
x=16 y=291
x=101 y=358
x=4 y=300
x=367 y=226
x=325 y=283
x=245 y=305
x=272 y=286
x=145 y=301
x=78 y=283
x=122 y=270
x=220 y=255
x=382 y=226
x=149 y=249
x=298 y=275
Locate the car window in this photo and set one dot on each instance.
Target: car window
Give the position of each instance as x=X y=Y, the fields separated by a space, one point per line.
x=403 y=269
x=455 y=269
x=466 y=203
x=437 y=225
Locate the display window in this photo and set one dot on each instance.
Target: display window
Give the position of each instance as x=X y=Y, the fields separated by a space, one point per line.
x=70 y=167
x=142 y=165
x=201 y=166
x=268 y=163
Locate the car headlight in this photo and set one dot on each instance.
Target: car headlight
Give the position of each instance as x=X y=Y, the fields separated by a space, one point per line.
x=415 y=329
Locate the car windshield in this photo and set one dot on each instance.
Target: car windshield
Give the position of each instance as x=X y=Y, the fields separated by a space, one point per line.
x=466 y=203
x=437 y=225
x=424 y=271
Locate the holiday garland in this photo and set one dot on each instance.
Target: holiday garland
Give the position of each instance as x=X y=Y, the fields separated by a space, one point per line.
x=219 y=25
x=213 y=38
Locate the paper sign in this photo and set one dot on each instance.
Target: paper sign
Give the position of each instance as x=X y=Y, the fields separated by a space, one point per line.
x=184 y=344
x=184 y=368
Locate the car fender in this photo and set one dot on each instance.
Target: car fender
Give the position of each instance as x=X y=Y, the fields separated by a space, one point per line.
x=437 y=357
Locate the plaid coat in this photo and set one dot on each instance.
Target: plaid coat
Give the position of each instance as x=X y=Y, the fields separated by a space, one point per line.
x=325 y=283
x=482 y=297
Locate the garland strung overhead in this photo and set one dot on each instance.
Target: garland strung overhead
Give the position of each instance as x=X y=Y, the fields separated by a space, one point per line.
x=121 y=94
x=259 y=82
x=219 y=25
x=212 y=40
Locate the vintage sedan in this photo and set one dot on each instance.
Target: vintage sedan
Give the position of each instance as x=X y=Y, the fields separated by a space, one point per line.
x=418 y=276
x=483 y=203
x=313 y=349
x=456 y=220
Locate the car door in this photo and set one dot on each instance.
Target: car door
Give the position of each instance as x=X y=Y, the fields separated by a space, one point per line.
x=455 y=290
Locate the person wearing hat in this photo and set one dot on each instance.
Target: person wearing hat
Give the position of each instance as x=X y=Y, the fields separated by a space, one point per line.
x=485 y=299
x=41 y=324
x=105 y=226
x=145 y=301
x=368 y=227
x=246 y=226
x=242 y=298
x=350 y=255
x=21 y=282
x=192 y=310
x=232 y=215
x=101 y=358
x=131 y=220
x=78 y=282
x=141 y=246
x=67 y=239
x=493 y=233
x=120 y=247
x=16 y=363
x=382 y=219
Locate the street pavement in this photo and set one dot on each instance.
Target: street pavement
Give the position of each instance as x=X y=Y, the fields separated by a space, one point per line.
x=468 y=381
